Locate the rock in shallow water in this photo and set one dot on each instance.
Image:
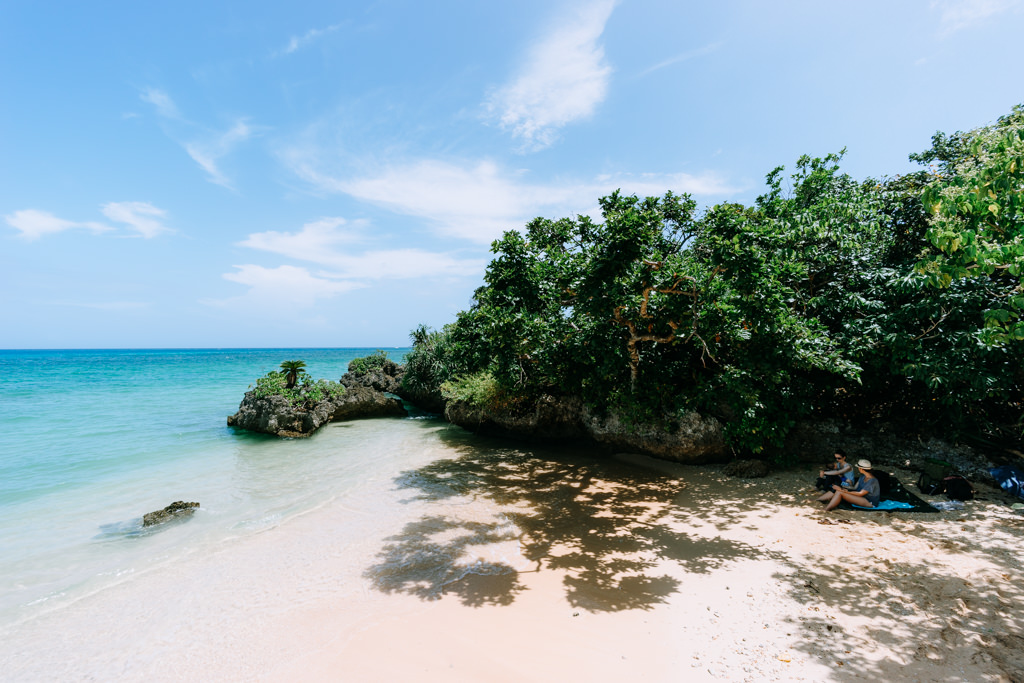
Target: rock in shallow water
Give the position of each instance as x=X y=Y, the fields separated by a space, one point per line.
x=175 y=510
x=276 y=415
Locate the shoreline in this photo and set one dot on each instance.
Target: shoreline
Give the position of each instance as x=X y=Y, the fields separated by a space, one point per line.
x=518 y=565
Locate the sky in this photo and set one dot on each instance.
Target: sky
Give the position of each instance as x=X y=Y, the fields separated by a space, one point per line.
x=330 y=174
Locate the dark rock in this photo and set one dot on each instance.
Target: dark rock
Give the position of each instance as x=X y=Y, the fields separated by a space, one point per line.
x=746 y=469
x=276 y=415
x=176 y=510
x=884 y=445
x=387 y=379
x=692 y=438
x=429 y=401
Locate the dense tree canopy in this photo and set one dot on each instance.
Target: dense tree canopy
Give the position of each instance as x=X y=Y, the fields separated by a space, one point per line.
x=902 y=295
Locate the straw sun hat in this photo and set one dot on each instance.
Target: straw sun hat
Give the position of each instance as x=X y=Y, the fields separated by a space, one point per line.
x=864 y=464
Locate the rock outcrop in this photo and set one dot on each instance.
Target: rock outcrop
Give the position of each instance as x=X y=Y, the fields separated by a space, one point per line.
x=276 y=415
x=176 y=510
x=692 y=438
x=746 y=469
x=387 y=378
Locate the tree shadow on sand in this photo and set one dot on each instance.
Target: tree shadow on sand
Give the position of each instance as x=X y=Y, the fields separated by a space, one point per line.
x=920 y=613
x=611 y=527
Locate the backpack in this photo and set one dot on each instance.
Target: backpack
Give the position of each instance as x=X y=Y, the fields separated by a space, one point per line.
x=933 y=475
x=958 y=488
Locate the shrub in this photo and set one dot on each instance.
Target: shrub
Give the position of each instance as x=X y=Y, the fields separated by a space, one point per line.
x=378 y=360
x=306 y=393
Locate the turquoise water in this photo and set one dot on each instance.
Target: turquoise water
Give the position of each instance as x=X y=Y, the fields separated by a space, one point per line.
x=91 y=440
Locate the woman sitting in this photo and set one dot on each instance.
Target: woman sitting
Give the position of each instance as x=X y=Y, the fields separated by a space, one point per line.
x=867 y=493
x=841 y=474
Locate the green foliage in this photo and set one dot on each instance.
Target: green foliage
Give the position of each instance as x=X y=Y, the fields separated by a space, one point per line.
x=478 y=390
x=307 y=393
x=977 y=221
x=293 y=369
x=901 y=296
x=440 y=356
x=378 y=360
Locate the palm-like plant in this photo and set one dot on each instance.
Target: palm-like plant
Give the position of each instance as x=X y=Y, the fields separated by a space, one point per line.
x=292 y=370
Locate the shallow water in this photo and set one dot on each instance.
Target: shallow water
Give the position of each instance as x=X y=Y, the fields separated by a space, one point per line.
x=92 y=440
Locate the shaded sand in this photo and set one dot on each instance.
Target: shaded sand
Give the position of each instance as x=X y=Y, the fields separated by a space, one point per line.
x=519 y=564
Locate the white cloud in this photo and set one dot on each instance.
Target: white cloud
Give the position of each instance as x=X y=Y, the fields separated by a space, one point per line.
x=315 y=239
x=162 y=101
x=478 y=201
x=208 y=153
x=210 y=146
x=285 y=285
x=141 y=216
x=297 y=42
x=564 y=79
x=34 y=224
x=682 y=57
x=323 y=242
x=960 y=14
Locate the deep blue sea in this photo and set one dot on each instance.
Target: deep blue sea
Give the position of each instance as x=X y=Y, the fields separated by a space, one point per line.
x=90 y=440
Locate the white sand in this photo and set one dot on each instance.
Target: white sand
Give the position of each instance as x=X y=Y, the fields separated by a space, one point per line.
x=589 y=573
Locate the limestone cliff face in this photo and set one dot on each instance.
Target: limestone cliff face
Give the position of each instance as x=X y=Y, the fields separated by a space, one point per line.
x=275 y=414
x=693 y=438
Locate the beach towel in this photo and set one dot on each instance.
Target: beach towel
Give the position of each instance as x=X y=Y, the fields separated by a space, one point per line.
x=888 y=505
x=898 y=498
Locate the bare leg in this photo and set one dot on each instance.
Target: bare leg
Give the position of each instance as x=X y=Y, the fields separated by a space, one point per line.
x=840 y=496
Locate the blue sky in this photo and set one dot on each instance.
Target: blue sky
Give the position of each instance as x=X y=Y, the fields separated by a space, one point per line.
x=248 y=174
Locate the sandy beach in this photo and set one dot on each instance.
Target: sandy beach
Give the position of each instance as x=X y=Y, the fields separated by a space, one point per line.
x=514 y=567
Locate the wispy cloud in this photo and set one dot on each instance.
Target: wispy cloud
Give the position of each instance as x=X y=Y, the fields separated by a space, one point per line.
x=563 y=80
x=682 y=57
x=955 y=15
x=142 y=217
x=162 y=101
x=285 y=285
x=33 y=224
x=330 y=242
x=208 y=153
x=299 y=42
x=209 y=146
x=478 y=201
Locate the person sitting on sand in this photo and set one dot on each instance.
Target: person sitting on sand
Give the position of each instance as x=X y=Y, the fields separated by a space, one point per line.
x=867 y=493
x=843 y=471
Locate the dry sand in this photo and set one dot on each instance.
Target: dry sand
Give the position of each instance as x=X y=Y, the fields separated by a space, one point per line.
x=690 y=575
x=511 y=567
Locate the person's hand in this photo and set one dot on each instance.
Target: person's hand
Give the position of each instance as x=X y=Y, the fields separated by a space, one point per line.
x=821 y=473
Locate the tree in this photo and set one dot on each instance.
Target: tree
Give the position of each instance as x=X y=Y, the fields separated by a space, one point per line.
x=292 y=368
x=977 y=224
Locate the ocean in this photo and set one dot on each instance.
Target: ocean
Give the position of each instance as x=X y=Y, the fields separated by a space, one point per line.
x=90 y=440
x=342 y=533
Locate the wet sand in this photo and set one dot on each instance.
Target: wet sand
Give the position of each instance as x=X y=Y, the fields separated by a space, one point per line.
x=517 y=565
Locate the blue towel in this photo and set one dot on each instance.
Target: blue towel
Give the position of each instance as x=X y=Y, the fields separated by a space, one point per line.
x=887 y=505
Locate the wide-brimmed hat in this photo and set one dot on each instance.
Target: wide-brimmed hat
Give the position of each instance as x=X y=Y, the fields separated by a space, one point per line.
x=864 y=464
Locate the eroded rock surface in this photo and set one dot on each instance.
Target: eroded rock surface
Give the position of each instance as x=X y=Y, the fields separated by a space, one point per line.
x=276 y=415
x=692 y=438
x=175 y=510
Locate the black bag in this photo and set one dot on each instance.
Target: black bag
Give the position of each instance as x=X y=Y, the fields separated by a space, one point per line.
x=929 y=486
x=932 y=475
x=958 y=488
x=825 y=483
